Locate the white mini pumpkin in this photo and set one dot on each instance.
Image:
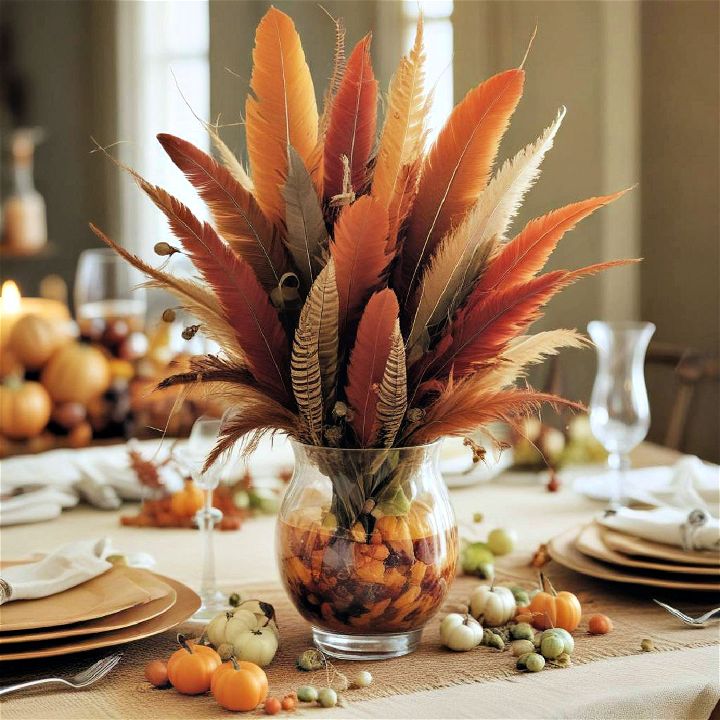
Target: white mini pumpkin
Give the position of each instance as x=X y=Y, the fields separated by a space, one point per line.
x=256 y=646
x=460 y=632
x=492 y=605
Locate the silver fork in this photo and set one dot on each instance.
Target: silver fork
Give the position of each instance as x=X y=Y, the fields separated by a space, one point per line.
x=87 y=677
x=700 y=621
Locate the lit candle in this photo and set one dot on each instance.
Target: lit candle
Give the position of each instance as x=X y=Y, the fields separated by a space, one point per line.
x=13 y=307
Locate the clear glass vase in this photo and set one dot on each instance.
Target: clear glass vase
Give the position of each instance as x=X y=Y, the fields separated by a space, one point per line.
x=367 y=546
x=619 y=407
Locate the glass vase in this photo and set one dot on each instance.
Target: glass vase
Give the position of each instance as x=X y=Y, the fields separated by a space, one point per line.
x=619 y=407
x=367 y=546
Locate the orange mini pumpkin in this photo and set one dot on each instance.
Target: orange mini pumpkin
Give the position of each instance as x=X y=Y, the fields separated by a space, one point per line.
x=186 y=502
x=34 y=339
x=76 y=373
x=190 y=668
x=551 y=609
x=25 y=409
x=239 y=685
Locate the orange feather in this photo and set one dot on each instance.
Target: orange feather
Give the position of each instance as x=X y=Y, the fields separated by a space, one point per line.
x=457 y=168
x=351 y=128
x=282 y=112
x=526 y=254
x=359 y=249
x=237 y=215
x=367 y=362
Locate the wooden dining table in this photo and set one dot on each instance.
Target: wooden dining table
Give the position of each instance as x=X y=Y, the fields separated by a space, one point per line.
x=677 y=683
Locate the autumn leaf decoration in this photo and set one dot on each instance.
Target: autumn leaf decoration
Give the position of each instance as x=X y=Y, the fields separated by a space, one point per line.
x=365 y=290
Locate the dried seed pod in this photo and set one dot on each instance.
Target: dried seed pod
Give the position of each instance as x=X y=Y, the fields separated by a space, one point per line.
x=169 y=315
x=415 y=415
x=165 y=249
x=190 y=331
x=340 y=409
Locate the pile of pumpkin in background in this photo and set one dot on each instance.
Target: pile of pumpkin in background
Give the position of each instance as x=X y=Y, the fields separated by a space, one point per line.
x=51 y=382
x=165 y=507
x=60 y=391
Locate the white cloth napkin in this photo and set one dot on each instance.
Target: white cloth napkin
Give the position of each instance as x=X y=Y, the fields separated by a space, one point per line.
x=67 y=567
x=688 y=484
x=664 y=525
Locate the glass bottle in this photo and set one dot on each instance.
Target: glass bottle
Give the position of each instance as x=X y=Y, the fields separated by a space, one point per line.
x=24 y=213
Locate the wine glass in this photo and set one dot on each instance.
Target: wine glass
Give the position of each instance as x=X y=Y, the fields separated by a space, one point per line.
x=619 y=408
x=203 y=436
x=109 y=305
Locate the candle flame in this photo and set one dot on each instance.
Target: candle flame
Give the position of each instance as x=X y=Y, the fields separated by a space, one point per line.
x=10 y=297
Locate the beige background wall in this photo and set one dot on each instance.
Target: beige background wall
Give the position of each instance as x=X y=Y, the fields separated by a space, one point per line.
x=639 y=79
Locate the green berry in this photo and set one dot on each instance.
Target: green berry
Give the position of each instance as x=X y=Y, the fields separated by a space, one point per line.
x=537 y=640
x=551 y=647
x=520 y=663
x=521 y=647
x=521 y=596
x=534 y=662
x=363 y=679
x=477 y=559
x=307 y=693
x=487 y=634
x=501 y=541
x=522 y=631
x=327 y=697
x=564 y=635
x=495 y=641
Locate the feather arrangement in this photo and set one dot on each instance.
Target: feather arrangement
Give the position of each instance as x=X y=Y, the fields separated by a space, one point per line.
x=362 y=298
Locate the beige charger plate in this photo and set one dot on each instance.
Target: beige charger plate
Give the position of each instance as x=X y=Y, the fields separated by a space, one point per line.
x=590 y=542
x=186 y=604
x=116 y=621
x=630 y=545
x=117 y=589
x=564 y=551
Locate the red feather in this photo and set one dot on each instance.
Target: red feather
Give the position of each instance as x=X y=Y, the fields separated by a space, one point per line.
x=457 y=168
x=367 y=362
x=484 y=326
x=361 y=255
x=461 y=410
x=526 y=254
x=351 y=129
x=245 y=303
x=237 y=215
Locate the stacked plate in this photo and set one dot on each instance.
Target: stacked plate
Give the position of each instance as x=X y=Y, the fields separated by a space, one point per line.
x=610 y=555
x=120 y=606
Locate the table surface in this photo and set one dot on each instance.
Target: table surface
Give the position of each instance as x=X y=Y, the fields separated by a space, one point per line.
x=688 y=682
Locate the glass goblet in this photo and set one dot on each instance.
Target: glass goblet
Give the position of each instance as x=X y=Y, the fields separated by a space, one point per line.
x=203 y=436
x=619 y=407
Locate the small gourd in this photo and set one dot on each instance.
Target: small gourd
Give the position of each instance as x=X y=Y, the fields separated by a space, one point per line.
x=551 y=609
x=460 y=632
x=34 y=339
x=249 y=630
x=567 y=639
x=186 y=502
x=492 y=605
x=239 y=685
x=76 y=373
x=25 y=409
x=190 y=668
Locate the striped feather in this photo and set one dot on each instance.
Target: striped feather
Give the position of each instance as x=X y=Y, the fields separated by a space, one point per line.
x=392 y=394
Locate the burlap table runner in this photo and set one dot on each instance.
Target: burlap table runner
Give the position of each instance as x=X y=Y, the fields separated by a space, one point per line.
x=431 y=667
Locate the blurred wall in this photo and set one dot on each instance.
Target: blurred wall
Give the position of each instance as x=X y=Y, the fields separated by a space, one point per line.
x=65 y=53
x=680 y=198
